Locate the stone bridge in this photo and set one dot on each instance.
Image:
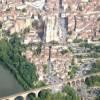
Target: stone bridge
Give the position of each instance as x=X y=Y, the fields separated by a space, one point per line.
x=56 y=87
x=94 y=88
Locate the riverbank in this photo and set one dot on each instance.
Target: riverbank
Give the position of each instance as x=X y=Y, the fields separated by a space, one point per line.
x=8 y=84
x=10 y=56
x=16 y=74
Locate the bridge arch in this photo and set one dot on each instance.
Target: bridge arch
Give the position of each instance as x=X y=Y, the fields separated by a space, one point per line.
x=87 y=79
x=19 y=98
x=22 y=96
x=78 y=82
x=31 y=95
x=43 y=92
x=82 y=80
x=73 y=83
x=69 y=83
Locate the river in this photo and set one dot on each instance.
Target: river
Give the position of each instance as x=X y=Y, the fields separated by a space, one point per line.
x=8 y=84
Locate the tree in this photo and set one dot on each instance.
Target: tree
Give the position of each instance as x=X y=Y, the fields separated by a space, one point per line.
x=64 y=51
x=45 y=66
x=24 y=10
x=35 y=24
x=38 y=50
x=93 y=81
x=26 y=30
x=44 y=94
x=32 y=16
x=0 y=25
x=4 y=47
x=11 y=55
x=97 y=98
x=71 y=93
x=73 y=61
x=75 y=23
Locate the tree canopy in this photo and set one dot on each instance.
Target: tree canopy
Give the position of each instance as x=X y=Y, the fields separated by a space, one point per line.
x=11 y=56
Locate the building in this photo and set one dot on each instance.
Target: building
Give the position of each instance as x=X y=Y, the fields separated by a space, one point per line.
x=52 y=29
